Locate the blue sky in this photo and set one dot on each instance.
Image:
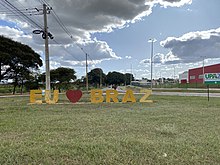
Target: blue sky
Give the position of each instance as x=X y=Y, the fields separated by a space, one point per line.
x=115 y=34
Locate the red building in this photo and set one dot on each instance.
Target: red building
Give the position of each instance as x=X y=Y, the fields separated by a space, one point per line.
x=196 y=75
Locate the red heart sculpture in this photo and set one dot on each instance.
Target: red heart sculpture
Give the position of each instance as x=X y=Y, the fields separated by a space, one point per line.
x=74 y=95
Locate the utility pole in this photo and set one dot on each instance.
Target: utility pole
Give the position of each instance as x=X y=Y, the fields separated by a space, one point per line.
x=152 y=40
x=131 y=75
x=100 y=78
x=45 y=35
x=151 y=66
x=87 y=81
x=47 y=61
x=203 y=71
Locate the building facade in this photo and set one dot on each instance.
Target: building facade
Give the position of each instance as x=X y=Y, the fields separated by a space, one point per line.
x=196 y=75
x=183 y=77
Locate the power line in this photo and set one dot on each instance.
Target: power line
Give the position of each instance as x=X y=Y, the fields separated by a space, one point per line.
x=45 y=2
x=22 y=13
x=10 y=13
x=23 y=10
x=65 y=49
x=35 y=9
x=41 y=2
x=58 y=20
x=61 y=24
x=15 y=10
x=7 y=7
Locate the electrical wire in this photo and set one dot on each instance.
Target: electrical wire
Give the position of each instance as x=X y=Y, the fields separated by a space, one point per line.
x=22 y=13
x=36 y=9
x=61 y=24
x=66 y=50
x=16 y=11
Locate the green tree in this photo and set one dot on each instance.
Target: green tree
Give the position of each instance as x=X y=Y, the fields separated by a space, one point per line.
x=62 y=75
x=128 y=78
x=115 y=78
x=96 y=77
x=61 y=78
x=17 y=61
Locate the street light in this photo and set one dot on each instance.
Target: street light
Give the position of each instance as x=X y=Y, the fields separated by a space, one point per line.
x=203 y=69
x=151 y=60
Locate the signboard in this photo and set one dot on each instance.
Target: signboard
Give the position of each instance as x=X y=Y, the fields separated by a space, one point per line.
x=96 y=96
x=212 y=78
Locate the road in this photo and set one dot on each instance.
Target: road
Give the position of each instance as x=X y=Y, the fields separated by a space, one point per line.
x=186 y=94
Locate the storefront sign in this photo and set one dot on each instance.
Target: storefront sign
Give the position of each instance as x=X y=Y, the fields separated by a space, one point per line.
x=212 y=78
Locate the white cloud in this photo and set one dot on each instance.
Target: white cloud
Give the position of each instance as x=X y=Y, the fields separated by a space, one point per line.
x=82 y=18
x=191 y=47
x=128 y=57
x=174 y=3
x=157 y=59
x=16 y=34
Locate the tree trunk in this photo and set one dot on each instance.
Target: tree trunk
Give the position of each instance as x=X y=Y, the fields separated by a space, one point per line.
x=22 y=85
x=0 y=71
x=14 y=88
x=15 y=84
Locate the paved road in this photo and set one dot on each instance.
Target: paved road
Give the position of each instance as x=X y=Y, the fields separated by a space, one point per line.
x=190 y=89
x=186 y=94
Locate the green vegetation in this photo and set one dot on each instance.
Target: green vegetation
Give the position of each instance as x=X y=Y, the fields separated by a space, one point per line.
x=17 y=62
x=6 y=89
x=173 y=130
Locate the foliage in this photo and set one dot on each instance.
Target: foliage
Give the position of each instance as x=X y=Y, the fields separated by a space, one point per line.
x=96 y=76
x=61 y=78
x=62 y=75
x=128 y=78
x=115 y=78
x=17 y=61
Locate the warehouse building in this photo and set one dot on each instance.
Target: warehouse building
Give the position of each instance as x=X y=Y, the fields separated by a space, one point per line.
x=183 y=77
x=196 y=75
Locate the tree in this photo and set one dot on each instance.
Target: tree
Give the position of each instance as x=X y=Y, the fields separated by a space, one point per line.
x=62 y=75
x=128 y=78
x=115 y=78
x=17 y=61
x=96 y=76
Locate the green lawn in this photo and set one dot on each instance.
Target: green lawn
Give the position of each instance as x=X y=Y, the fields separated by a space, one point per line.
x=173 y=130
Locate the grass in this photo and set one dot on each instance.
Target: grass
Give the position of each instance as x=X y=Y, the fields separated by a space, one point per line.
x=173 y=130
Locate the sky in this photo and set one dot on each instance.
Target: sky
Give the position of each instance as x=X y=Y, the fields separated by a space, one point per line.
x=115 y=34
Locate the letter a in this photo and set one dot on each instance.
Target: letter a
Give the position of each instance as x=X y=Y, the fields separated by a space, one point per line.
x=129 y=97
